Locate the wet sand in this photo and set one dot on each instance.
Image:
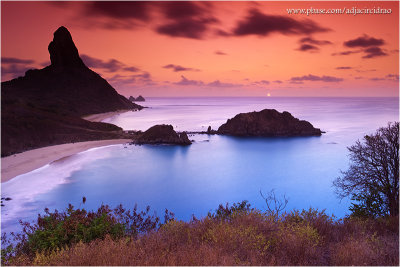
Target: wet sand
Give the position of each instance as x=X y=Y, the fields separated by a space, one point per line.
x=27 y=161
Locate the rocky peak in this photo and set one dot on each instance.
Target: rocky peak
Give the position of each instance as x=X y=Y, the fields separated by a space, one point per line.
x=63 y=52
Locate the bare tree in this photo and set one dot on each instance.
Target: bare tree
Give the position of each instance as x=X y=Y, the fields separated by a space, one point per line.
x=373 y=176
x=274 y=205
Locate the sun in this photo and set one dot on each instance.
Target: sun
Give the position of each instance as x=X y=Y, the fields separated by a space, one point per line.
x=268 y=94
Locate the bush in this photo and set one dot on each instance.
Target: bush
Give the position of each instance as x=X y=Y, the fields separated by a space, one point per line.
x=58 y=230
x=232 y=235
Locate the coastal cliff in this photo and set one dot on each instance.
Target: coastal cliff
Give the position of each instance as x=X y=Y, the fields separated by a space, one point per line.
x=44 y=107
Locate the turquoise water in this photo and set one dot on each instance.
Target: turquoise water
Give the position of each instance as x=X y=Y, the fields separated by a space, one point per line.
x=214 y=169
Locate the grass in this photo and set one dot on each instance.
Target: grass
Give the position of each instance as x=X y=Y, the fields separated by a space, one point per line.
x=236 y=235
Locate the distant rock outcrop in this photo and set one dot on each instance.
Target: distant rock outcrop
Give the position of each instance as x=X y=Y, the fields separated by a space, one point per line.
x=140 y=99
x=267 y=122
x=44 y=107
x=163 y=134
x=131 y=98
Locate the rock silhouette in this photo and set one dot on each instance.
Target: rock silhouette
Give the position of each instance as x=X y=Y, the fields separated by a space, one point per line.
x=63 y=52
x=140 y=98
x=44 y=107
x=267 y=122
x=163 y=134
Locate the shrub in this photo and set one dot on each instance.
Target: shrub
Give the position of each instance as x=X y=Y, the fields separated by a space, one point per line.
x=232 y=235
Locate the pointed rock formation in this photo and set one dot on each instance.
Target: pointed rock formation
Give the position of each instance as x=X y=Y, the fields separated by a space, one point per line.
x=267 y=122
x=63 y=52
x=131 y=98
x=67 y=85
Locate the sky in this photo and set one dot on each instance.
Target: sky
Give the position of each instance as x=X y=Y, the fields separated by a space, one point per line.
x=216 y=48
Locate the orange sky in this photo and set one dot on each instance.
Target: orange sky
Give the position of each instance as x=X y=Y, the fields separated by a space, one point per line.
x=214 y=48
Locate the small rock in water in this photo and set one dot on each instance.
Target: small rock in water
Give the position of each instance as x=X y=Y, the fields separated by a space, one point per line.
x=7 y=198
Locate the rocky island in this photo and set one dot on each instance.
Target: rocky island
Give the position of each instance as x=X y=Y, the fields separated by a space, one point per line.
x=268 y=123
x=163 y=134
x=140 y=99
x=45 y=106
x=137 y=99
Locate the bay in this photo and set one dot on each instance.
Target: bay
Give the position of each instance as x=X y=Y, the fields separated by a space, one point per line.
x=214 y=169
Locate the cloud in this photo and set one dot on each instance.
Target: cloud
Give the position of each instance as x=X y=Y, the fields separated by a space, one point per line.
x=375 y=51
x=138 y=10
x=111 y=65
x=389 y=77
x=262 y=82
x=364 y=41
x=185 y=81
x=186 y=19
x=222 y=33
x=366 y=70
x=344 y=68
x=110 y=15
x=14 y=70
x=178 y=68
x=131 y=69
x=307 y=47
x=368 y=45
x=218 y=52
x=277 y=81
x=394 y=77
x=175 y=10
x=310 y=40
x=13 y=60
x=257 y=23
x=12 y=67
x=296 y=82
x=346 y=53
x=131 y=80
x=311 y=45
x=216 y=83
x=315 y=78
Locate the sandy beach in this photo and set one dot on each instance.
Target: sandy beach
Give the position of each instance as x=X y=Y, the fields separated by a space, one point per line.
x=101 y=116
x=24 y=162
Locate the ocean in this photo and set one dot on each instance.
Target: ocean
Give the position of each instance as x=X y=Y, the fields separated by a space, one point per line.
x=213 y=170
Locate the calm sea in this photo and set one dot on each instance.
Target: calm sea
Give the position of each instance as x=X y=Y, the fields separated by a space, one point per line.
x=214 y=169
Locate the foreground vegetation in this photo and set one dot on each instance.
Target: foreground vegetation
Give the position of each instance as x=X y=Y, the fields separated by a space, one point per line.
x=235 y=235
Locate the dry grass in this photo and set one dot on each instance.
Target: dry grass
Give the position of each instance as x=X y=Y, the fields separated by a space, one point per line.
x=243 y=238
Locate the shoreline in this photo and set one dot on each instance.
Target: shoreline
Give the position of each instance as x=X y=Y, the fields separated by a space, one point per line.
x=30 y=160
x=101 y=116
